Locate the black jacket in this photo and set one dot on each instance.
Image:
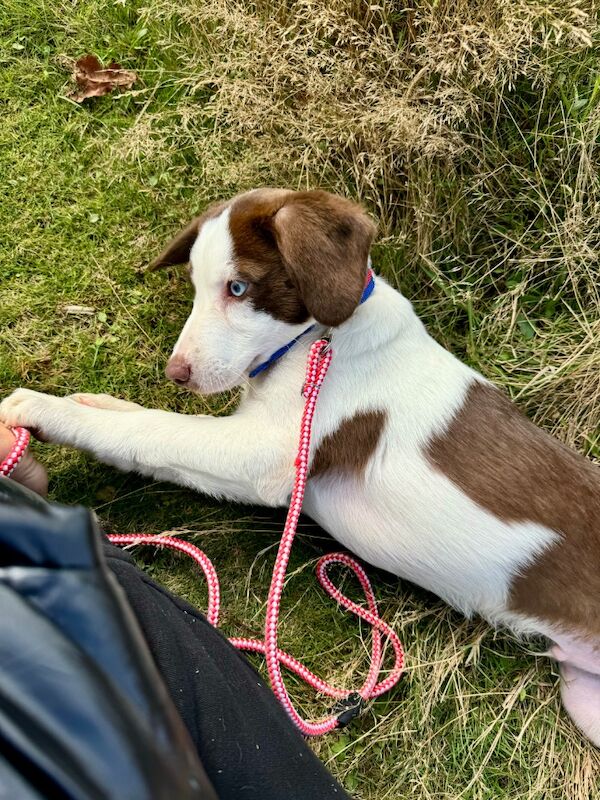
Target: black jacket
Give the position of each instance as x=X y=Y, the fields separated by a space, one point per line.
x=84 y=714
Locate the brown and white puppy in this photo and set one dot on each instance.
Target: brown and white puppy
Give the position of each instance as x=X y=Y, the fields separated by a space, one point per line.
x=419 y=465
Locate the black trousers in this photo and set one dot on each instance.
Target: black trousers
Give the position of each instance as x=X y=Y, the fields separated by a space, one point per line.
x=247 y=745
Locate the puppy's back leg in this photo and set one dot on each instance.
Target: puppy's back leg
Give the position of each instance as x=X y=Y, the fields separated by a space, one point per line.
x=580 y=692
x=579 y=661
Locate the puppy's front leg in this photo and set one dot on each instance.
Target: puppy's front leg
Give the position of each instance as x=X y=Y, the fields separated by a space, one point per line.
x=237 y=457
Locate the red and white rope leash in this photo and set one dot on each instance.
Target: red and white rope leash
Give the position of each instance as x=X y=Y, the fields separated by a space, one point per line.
x=11 y=462
x=350 y=704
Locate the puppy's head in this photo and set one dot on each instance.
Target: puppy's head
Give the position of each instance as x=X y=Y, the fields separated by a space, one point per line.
x=264 y=266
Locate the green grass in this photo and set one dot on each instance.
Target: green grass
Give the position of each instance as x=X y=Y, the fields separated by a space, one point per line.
x=477 y=150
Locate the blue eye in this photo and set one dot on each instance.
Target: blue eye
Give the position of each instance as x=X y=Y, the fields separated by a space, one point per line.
x=237 y=288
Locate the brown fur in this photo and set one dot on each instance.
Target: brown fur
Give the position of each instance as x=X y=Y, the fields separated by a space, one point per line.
x=521 y=474
x=324 y=241
x=178 y=249
x=304 y=253
x=350 y=447
x=258 y=258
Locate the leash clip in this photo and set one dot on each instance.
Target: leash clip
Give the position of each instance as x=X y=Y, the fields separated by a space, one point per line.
x=327 y=339
x=348 y=709
x=307 y=387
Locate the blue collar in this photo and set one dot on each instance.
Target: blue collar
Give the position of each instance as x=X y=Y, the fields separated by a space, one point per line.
x=367 y=292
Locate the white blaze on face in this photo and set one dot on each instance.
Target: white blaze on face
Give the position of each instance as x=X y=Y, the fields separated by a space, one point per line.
x=224 y=336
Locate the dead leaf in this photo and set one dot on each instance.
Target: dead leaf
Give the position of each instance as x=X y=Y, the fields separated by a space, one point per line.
x=94 y=80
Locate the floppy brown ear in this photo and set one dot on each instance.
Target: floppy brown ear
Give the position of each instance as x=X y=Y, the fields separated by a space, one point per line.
x=178 y=249
x=324 y=241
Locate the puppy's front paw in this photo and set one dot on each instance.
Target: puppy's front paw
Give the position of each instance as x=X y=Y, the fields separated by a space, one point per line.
x=22 y=407
x=34 y=410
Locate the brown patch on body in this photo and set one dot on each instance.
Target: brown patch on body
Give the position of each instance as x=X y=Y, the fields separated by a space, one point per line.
x=350 y=447
x=512 y=468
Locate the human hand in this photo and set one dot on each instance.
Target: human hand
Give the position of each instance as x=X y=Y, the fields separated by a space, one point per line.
x=28 y=472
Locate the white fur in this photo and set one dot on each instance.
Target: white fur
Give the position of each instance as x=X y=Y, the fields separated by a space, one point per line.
x=403 y=516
